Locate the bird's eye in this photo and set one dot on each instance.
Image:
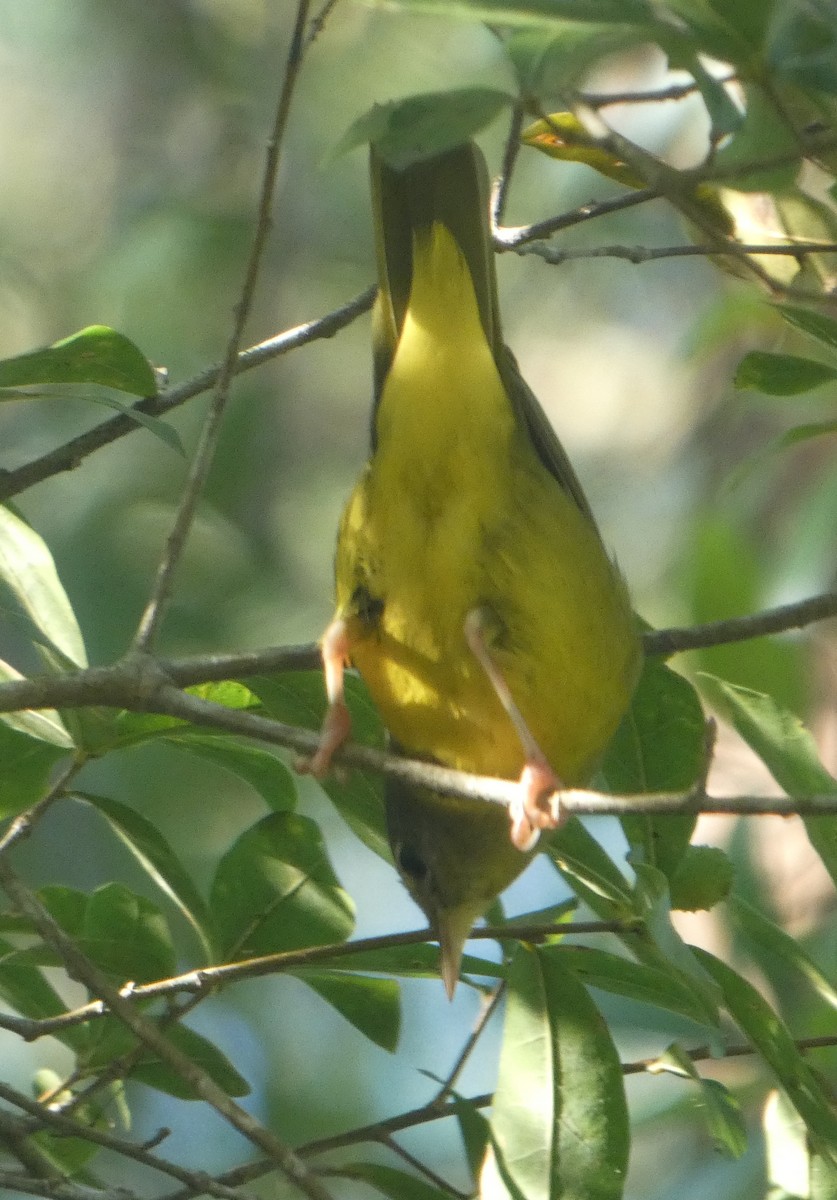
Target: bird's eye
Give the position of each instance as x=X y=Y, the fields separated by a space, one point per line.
x=410 y=863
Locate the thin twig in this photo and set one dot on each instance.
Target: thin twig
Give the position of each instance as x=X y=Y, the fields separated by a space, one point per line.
x=80 y=968
x=206 y=980
x=676 y=91
x=509 y=237
x=736 y=1050
x=55 y=1189
x=44 y=1117
x=161 y=592
x=486 y=1013
x=24 y=822
x=511 y=149
x=555 y=256
x=71 y=454
x=741 y=629
x=145 y=691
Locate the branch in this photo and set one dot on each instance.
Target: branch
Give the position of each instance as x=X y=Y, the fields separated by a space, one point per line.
x=160 y=598
x=643 y=254
x=140 y=686
x=80 y=968
x=47 y=1118
x=677 y=91
x=207 y=980
x=381 y=1131
x=740 y=629
x=56 y=1189
x=71 y=454
x=509 y=237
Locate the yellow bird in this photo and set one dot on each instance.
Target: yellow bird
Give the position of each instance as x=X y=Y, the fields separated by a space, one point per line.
x=474 y=594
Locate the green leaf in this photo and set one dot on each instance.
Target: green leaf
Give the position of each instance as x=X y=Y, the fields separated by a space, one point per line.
x=419 y=127
x=534 y=12
x=654 y=907
x=702 y=879
x=298 y=698
x=161 y=429
x=620 y=976
x=724 y=115
x=805 y=433
x=474 y=1131
x=25 y=990
x=126 y=935
x=96 y=354
x=157 y=858
x=590 y=872
x=133 y=729
x=788 y=751
x=803 y=46
x=157 y=1074
x=268 y=775
x=373 y=1006
x=27 y=568
x=391 y=1182
x=417 y=961
x=717 y=1106
x=66 y=905
x=781 y=374
x=762 y=1027
x=765 y=135
x=43 y=724
x=659 y=746
x=779 y=947
x=276 y=890
x=560 y=1120
x=25 y=767
x=557 y=56
x=817 y=325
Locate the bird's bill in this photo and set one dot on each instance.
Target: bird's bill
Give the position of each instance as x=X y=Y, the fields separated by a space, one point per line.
x=453 y=928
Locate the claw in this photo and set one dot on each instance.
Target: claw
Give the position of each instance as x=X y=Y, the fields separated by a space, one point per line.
x=537 y=804
x=337 y=722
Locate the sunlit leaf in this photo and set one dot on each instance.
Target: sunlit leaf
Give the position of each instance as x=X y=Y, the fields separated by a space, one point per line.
x=772 y=1039
x=659 y=746
x=95 y=354
x=44 y=724
x=560 y=1121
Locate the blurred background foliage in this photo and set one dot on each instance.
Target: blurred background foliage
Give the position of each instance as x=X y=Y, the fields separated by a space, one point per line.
x=132 y=134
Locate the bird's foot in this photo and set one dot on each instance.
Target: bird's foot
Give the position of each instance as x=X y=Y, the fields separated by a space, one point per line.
x=335 y=730
x=337 y=723
x=536 y=804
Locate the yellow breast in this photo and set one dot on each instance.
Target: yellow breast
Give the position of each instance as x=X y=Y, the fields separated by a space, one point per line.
x=454 y=512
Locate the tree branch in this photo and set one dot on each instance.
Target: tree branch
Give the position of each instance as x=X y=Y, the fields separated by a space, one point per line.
x=555 y=256
x=665 y=642
x=44 y=1117
x=80 y=967
x=71 y=454
x=158 y=602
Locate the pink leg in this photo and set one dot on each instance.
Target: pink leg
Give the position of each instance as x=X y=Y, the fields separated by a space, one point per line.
x=337 y=723
x=537 y=803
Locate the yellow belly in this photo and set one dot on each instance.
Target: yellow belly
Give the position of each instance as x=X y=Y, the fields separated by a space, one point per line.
x=456 y=511
x=564 y=641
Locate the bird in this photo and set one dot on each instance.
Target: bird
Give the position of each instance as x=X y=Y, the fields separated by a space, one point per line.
x=474 y=594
